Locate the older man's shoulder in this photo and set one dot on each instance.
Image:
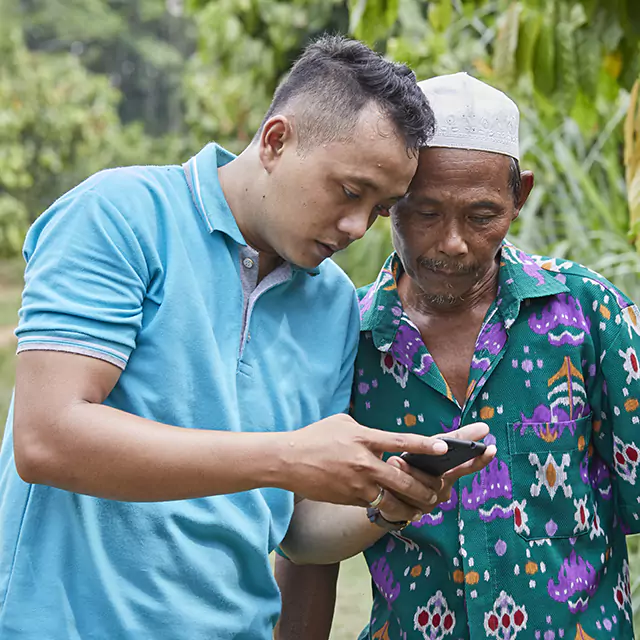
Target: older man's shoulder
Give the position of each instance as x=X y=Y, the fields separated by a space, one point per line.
x=584 y=283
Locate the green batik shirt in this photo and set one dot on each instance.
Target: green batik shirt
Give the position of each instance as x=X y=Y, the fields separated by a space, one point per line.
x=533 y=546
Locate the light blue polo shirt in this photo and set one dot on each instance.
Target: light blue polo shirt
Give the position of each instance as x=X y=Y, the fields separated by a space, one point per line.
x=142 y=269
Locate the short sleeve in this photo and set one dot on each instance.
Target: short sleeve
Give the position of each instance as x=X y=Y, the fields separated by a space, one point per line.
x=85 y=280
x=342 y=395
x=617 y=434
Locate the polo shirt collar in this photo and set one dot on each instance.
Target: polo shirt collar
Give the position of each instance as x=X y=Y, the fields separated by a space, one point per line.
x=201 y=172
x=521 y=277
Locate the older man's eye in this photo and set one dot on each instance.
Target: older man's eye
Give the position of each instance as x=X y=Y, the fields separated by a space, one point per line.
x=481 y=220
x=350 y=194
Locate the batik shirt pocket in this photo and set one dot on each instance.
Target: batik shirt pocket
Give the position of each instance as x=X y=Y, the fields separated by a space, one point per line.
x=550 y=478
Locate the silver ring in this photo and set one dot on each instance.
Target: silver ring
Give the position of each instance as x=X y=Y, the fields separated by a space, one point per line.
x=379 y=498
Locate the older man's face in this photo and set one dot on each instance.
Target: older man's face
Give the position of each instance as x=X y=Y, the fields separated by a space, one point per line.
x=449 y=228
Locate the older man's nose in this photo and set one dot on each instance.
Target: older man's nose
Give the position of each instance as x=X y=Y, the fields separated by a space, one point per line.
x=452 y=242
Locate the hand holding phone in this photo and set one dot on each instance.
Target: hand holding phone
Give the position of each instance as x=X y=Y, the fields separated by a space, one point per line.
x=460 y=451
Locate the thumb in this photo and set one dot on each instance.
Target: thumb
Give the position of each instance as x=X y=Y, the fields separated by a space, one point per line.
x=475 y=431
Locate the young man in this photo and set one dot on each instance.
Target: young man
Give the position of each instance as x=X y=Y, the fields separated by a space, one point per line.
x=177 y=326
x=462 y=325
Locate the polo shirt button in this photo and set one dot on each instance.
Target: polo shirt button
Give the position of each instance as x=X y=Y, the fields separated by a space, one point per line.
x=248 y=263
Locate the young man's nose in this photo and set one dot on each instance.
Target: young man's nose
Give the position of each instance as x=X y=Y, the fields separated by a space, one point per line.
x=355 y=224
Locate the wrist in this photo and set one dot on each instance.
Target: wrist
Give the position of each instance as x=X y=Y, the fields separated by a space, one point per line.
x=376 y=518
x=278 y=461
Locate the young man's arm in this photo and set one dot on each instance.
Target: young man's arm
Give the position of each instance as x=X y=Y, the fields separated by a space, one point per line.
x=65 y=437
x=308 y=600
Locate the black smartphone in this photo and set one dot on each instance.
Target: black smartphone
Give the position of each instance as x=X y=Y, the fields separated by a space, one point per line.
x=459 y=451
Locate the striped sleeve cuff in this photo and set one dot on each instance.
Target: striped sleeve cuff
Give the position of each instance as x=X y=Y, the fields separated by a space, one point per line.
x=35 y=342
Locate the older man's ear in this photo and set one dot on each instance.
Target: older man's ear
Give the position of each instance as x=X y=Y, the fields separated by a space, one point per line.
x=527 y=184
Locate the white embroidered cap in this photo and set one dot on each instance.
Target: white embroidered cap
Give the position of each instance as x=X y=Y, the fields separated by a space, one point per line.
x=471 y=114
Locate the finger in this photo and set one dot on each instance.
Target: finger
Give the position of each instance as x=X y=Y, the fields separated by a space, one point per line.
x=376 y=499
x=382 y=441
x=472 y=466
x=394 y=510
x=433 y=482
x=475 y=431
x=439 y=484
x=404 y=486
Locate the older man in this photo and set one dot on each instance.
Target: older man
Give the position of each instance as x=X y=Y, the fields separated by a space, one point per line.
x=462 y=325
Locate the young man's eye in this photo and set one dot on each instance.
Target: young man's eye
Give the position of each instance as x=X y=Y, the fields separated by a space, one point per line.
x=350 y=194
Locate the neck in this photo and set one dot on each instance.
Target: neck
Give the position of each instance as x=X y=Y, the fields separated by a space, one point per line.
x=244 y=194
x=478 y=298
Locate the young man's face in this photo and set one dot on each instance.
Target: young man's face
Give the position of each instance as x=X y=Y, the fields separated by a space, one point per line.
x=450 y=226
x=320 y=201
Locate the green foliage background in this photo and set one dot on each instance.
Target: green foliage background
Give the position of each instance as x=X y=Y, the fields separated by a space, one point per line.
x=87 y=85
x=91 y=84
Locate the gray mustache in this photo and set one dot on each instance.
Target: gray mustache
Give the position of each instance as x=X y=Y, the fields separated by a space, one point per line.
x=440 y=265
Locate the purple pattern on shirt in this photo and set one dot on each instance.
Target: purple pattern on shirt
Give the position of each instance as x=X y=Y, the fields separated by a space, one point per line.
x=600 y=475
x=480 y=363
x=531 y=268
x=489 y=484
x=492 y=338
x=437 y=515
x=563 y=311
x=454 y=425
x=546 y=421
x=576 y=576
x=584 y=469
x=407 y=344
x=367 y=301
x=384 y=580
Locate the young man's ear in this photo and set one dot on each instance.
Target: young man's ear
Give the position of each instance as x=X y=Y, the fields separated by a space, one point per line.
x=277 y=134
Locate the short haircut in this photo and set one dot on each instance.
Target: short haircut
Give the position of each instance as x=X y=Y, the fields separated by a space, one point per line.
x=335 y=78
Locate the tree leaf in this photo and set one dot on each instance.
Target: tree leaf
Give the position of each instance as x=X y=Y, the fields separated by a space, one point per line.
x=506 y=44
x=544 y=69
x=530 y=25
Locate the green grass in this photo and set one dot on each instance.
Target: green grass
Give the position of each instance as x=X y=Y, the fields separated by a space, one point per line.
x=353 y=604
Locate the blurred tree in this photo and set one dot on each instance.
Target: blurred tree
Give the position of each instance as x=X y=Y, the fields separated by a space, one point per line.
x=140 y=45
x=244 y=49
x=58 y=124
x=565 y=57
x=632 y=161
x=53 y=114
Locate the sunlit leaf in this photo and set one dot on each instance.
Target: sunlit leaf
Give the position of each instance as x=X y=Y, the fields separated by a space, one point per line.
x=506 y=44
x=544 y=69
